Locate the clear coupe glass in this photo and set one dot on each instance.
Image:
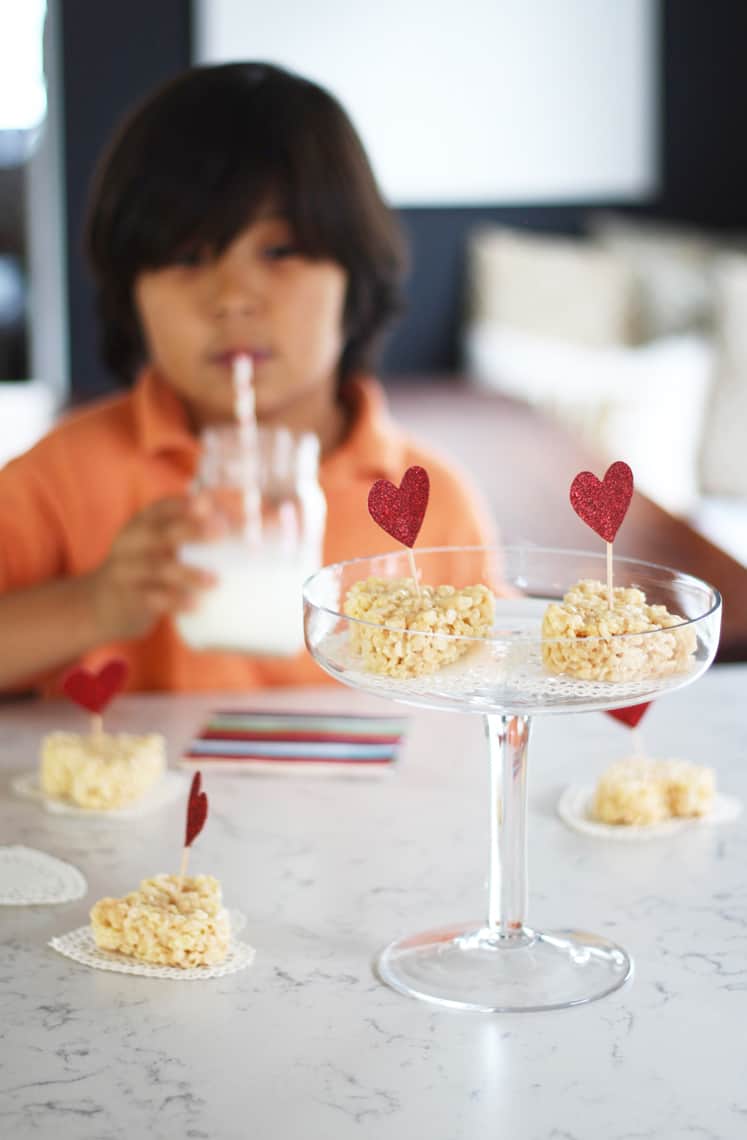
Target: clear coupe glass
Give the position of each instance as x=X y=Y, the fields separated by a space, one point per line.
x=510 y=674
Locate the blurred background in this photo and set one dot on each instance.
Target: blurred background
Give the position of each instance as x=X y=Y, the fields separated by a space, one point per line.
x=571 y=176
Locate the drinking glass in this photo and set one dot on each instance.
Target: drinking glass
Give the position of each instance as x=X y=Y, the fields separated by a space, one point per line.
x=264 y=492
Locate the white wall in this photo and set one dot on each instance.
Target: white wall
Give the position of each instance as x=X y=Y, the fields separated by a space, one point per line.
x=465 y=102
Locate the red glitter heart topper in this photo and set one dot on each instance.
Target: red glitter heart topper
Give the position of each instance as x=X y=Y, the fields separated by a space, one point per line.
x=400 y=510
x=631 y=716
x=197 y=809
x=603 y=505
x=94 y=691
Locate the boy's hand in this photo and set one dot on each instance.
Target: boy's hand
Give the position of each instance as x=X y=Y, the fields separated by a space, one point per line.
x=142 y=578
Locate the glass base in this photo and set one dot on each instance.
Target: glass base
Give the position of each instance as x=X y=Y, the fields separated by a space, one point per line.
x=472 y=967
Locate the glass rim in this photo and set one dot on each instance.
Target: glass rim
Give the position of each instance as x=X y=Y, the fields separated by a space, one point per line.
x=232 y=429
x=681 y=576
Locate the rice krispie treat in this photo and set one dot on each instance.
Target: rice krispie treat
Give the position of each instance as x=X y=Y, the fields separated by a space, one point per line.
x=606 y=656
x=167 y=922
x=100 y=770
x=403 y=649
x=640 y=791
x=690 y=787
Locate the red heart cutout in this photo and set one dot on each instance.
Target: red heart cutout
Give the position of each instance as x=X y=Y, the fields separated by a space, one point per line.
x=630 y=716
x=93 y=691
x=400 y=510
x=197 y=809
x=603 y=506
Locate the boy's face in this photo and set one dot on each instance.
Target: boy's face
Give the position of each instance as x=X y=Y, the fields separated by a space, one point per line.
x=259 y=297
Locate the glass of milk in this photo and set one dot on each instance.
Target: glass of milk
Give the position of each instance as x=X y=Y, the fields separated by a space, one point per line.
x=264 y=488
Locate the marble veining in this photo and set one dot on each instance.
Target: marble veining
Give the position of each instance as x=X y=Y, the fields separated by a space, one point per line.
x=307 y=1044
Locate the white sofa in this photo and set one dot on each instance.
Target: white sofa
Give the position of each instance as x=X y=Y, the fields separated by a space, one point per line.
x=636 y=338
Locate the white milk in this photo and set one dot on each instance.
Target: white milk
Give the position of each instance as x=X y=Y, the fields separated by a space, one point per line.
x=256 y=606
x=263 y=485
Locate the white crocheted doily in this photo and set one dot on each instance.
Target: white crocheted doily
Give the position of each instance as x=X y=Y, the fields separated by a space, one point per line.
x=170 y=787
x=80 y=946
x=574 y=808
x=511 y=675
x=32 y=878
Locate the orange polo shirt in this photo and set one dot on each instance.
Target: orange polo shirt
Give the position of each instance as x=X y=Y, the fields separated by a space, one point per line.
x=63 y=502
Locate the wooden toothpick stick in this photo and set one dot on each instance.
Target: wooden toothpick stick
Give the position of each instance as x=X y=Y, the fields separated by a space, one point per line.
x=637 y=739
x=400 y=510
x=197 y=809
x=610 y=589
x=602 y=505
x=413 y=570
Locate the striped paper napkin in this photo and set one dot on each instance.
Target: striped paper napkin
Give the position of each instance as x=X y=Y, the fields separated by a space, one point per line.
x=251 y=741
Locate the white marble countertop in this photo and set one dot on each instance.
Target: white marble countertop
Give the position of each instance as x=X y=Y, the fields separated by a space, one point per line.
x=307 y=1043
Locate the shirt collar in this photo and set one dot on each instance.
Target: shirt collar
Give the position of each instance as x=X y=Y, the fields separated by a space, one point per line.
x=160 y=417
x=374 y=446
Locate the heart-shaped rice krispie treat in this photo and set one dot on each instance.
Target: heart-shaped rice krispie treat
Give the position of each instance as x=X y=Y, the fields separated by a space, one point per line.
x=633 y=641
x=99 y=770
x=410 y=634
x=639 y=791
x=169 y=921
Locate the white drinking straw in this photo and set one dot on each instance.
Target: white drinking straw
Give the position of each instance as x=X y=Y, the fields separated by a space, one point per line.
x=243 y=393
x=245 y=411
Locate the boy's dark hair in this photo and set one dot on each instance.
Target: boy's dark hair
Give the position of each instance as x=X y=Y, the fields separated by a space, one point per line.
x=192 y=165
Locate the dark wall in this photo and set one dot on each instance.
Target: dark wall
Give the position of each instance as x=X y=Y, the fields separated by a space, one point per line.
x=13 y=290
x=426 y=340
x=114 y=52
x=704 y=94
x=12 y=221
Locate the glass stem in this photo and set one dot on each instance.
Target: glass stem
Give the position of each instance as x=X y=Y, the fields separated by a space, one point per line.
x=508 y=738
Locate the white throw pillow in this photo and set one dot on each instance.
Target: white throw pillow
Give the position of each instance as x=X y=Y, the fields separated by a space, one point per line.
x=672 y=265
x=724 y=453
x=645 y=405
x=550 y=286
